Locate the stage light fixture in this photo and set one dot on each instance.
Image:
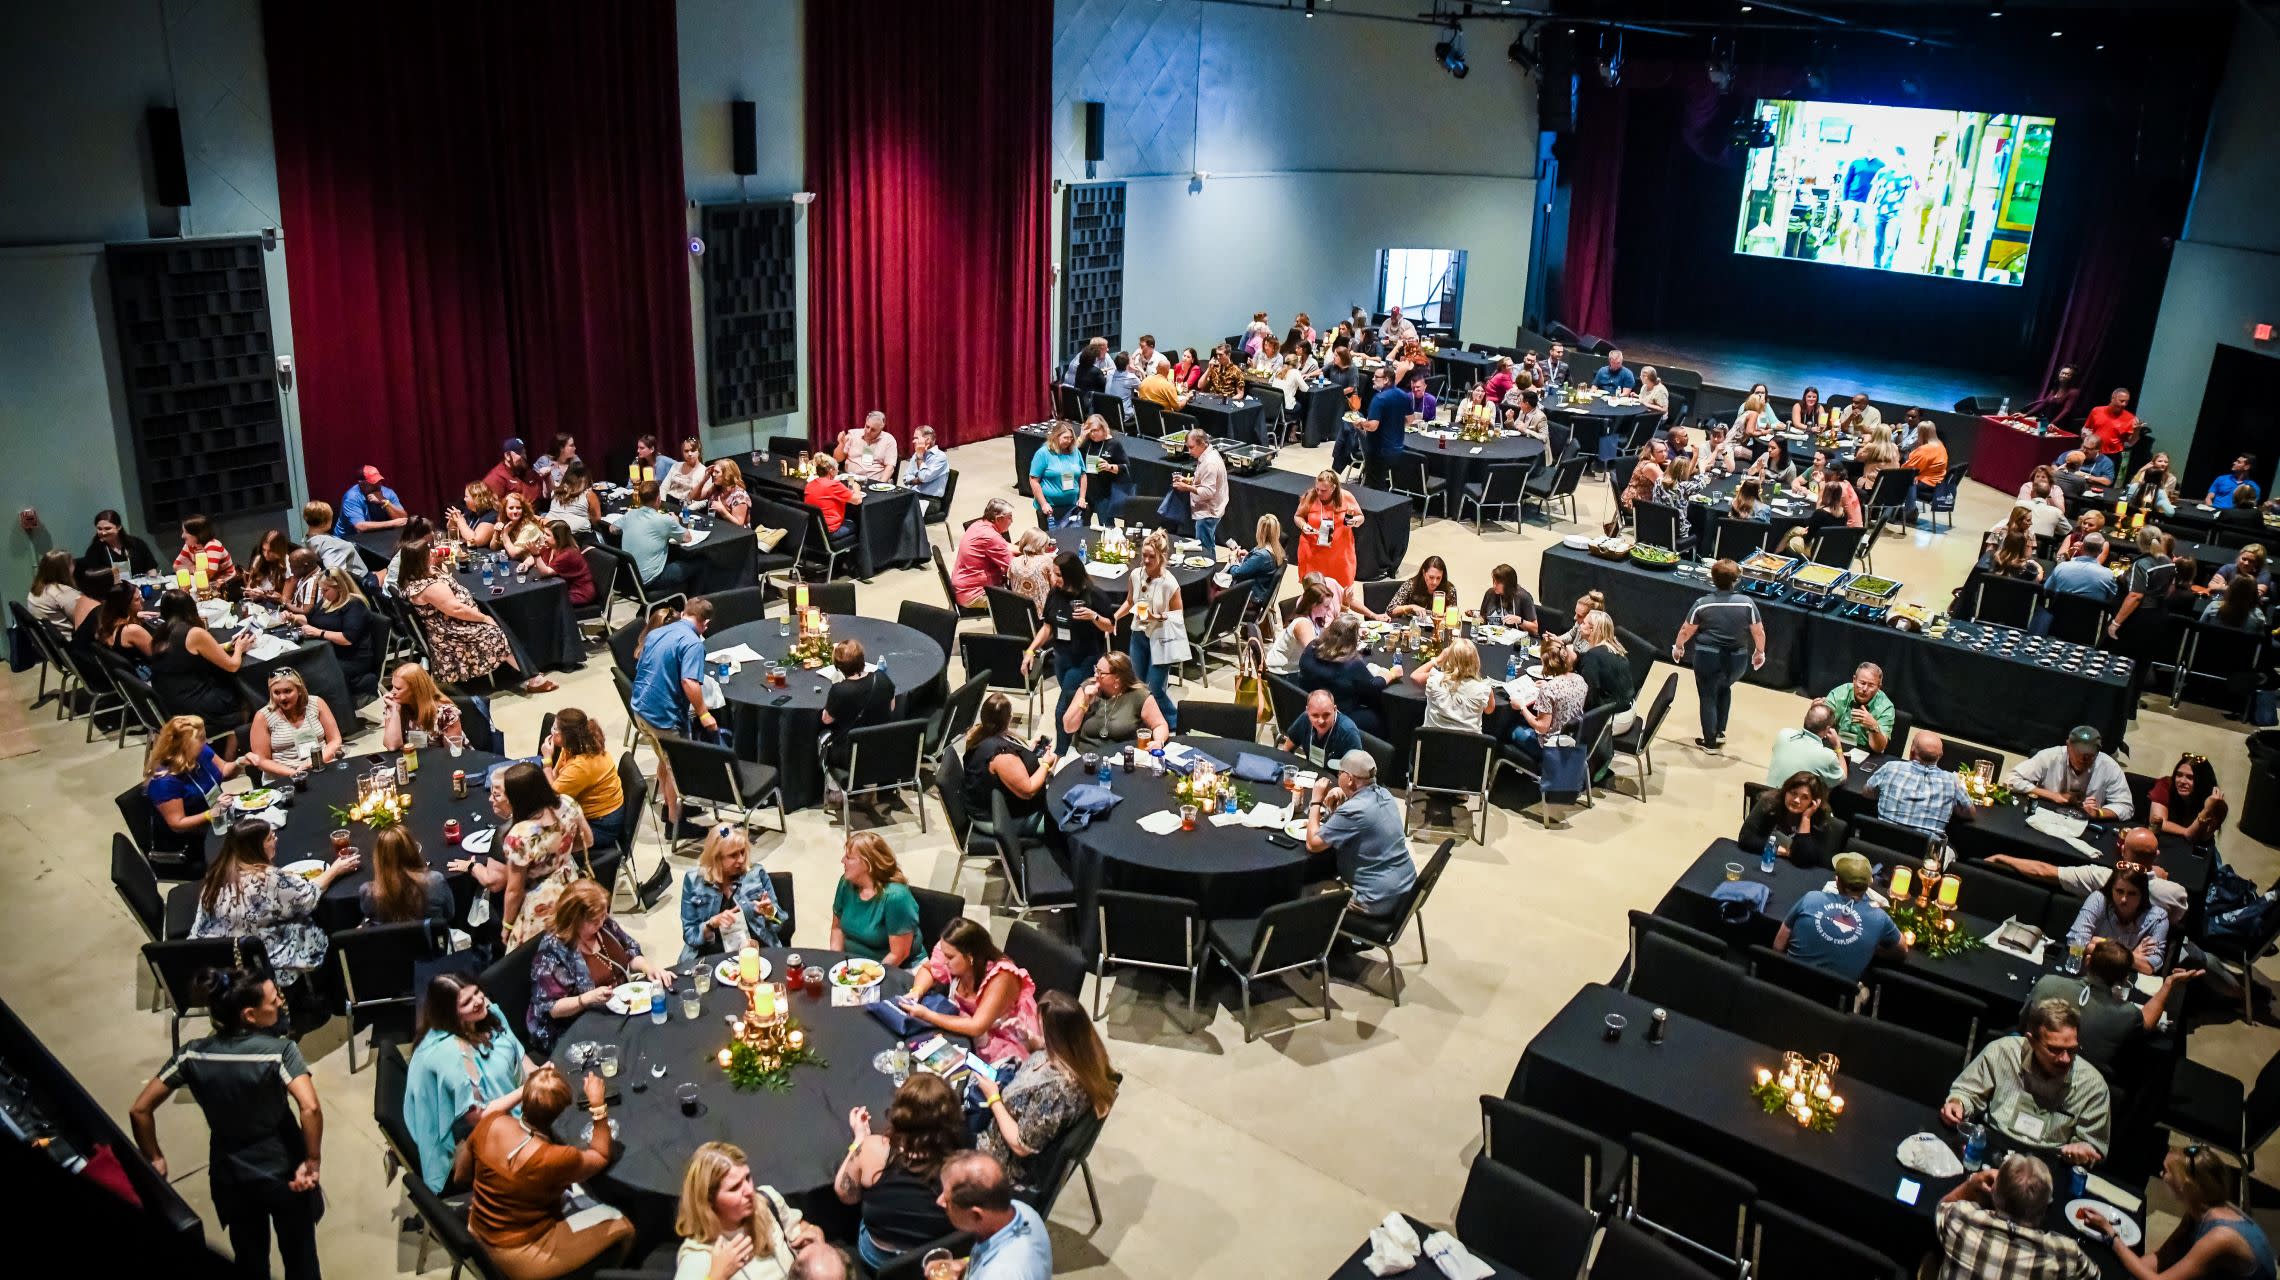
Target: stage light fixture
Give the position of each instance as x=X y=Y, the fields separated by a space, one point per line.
x=1520 y=55
x=1450 y=53
x=1309 y=8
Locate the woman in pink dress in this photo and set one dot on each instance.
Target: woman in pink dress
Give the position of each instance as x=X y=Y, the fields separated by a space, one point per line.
x=995 y=998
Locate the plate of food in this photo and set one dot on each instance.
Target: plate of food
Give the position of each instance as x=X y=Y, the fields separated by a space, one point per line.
x=632 y=997
x=1576 y=540
x=256 y=800
x=1295 y=829
x=306 y=868
x=2082 y=1215
x=1198 y=562
x=858 y=975
x=725 y=972
x=881 y=488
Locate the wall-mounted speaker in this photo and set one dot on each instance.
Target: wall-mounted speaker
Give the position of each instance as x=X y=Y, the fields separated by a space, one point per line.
x=171 y=178
x=744 y=137
x=1096 y=132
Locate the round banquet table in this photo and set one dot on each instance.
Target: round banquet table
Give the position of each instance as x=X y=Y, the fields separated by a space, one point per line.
x=535 y=613
x=1109 y=581
x=785 y=735
x=309 y=824
x=795 y=1138
x=1595 y=418
x=1227 y=871
x=1461 y=462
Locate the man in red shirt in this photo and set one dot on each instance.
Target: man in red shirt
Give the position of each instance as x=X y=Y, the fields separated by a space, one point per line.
x=2113 y=426
x=984 y=555
x=513 y=474
x=826 y=494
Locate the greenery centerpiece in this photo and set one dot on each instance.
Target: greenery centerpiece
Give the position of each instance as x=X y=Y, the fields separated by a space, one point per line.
x=1206 y=788
x=1803 y=1088
x=1931 y=930
x=1983 y=791
x=758 y=1064
x=1114 y=548
x=1478 y=431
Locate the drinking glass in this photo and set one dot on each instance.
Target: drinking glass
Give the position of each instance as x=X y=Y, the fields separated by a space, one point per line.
x=1733 y=871
x=657 y=1013
x=1187 y=817
x=898 y=1063
x=688 y=1097
x=692 y=1001
x=606 y=1057
x=339 y=842
x=813 y=977
x=702 y=978
x=936 y=1265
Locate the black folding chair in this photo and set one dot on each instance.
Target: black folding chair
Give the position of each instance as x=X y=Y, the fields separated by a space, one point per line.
x=1384 y=931
x=1909 y=1063
x=956 y=715
x=1585 y=1167
x=735 y=607
x=998 y=656
x=1784 y=1246
x=713 y=775
x=1500 y=489
x=1795 y=976
x=1908 y=842
x=1053 y=964
x=1736 y=539
x=785 y=888
x=1146 y=931
x=938 y=625
x=1687 y=1200
x=1520 y=1224
x=1035 y=880
x=1231 y=720
x=1012 y=613
x=1638 y=741
x=950 y=593
x=883 y=758
x=376 y=974
x=1997 y=894
x=1678 y=975
x=1554 y=482
x=1836 y=545
x=400 y=1149
x=181 y=966
x=1287 y=939
x=1927 y=1007
x=508 y=983
x=1288 y=701
x=1408 y=477
x=936 y=910
x=1657 y=525
x=1627 y=1253
x=1460 y=763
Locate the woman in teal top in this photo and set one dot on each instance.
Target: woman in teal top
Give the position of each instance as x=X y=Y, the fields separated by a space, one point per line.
x=467 y=1065
x=1057 y=476
x=873 y=914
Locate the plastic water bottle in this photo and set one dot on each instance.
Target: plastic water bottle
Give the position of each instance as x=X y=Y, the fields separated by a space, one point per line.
x=486 y=572
x=1084 y=552
x=1512 y=666
x=657 y=1008
x=1227 y=801
x=1769 y=857
x=1156 y=760
x=1104 y=777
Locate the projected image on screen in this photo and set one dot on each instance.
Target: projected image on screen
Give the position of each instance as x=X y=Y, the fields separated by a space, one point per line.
x=1913 y=189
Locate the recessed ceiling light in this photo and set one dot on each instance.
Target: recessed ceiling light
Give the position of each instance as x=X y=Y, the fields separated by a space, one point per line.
x=2056 y=34
x=1747 y=7
x=1994 y=13
x=2101 y=48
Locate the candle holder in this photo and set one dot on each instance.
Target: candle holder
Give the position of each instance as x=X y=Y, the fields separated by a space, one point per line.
x=1931 y=928
x=765 y=1042
x=1803 y=1089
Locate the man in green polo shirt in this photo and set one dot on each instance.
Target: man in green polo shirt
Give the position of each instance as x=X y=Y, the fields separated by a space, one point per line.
x=1814 y=749
x=1864 y=714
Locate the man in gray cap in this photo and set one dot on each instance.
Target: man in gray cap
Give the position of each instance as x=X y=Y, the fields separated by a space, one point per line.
x=1359 y=822
x=1840 y=932
x=2076 y=775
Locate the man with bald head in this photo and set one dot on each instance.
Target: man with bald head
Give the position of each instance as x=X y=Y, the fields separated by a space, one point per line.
x=2139 y=845
x=1914 y=791
x=1324 y=733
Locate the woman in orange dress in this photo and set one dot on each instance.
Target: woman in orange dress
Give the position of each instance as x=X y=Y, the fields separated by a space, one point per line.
x=1327 y=516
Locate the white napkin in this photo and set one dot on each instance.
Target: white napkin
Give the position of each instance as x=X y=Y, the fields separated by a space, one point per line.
x=1226 y=819
x=737 y=653
x=1393 y=1246
x=1063 y=763
x=846 y=997
x=2035 y=956
x=1455 y=1261
x=1162 y=822
x=268 y=647
x=1857 y=755
x=614 y=519
x=1273 y=817
x=1382 y=673
x=1521 y=692
x=831 y=674
x=2064 y=826
x=2149 y=985
x=1223 y=579
x=1177 y=753
x=478 y=841
x=2113 y=1195
x=1928 y=1154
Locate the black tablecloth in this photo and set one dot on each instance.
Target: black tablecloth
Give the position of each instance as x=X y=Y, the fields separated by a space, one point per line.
x=728 y=554
x=786 y=735
x=795 y=1139
x=320 y=671
x=536 y=612
x=1108 y=582
x=377 y=546
x=1461 y=462
x=1356 y=1267
x=309 y=824
x=1594 y=419
x=1227 y=871
x=1692 y=1090
x=890 y=531
x=1227 y=419
x=1379 y=545
x=1979 y=696
x=1462 y=368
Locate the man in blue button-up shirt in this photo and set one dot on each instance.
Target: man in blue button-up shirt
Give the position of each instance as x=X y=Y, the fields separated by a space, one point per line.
x=1009 y=1237
x=1615 y=377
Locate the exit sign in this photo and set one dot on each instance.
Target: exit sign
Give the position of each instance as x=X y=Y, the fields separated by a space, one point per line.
x=2264 y=333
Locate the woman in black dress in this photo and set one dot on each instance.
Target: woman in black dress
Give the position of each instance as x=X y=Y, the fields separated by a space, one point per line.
x=114 y=553
x=196 y=675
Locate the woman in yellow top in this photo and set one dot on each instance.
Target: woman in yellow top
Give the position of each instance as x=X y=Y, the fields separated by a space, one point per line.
x=578 y=764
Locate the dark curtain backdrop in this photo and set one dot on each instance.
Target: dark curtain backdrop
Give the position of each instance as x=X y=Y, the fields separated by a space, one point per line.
x=1594 y=162
x=483 y=213
x=929 y=257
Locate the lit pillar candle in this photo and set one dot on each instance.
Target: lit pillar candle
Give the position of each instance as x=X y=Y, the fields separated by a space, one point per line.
x=1903 y=880
x=797 y=1038
x=1836 y=1104
x=1764 y=1077
x=800 y=597
x=724 y=1057
x=764 y=1001
x=1949 y=888
x=748 y=964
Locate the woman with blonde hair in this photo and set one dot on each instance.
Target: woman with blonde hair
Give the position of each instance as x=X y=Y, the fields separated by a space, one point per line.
x=55 y=597
x=1261 y=570
x=414 y=713
x=1029 y=573
x=476 y=523
x=574 y=501
x=1455 y=695
x=1600 y=660
x=1159 y=623
x=1327 y=516
x=732 y=1228
x=2214 y=1236
x=873 y=912
x=294 y=730
x=521 y=534
x=1751 y=421
x=182 y=777
x=1880 y=452
x=1066 y=1076
x=1057 y=478
x=726 y=899
x=731 y=501
x=583 y=954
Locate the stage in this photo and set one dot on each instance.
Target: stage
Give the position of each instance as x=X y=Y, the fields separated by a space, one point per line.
x=1730 y=366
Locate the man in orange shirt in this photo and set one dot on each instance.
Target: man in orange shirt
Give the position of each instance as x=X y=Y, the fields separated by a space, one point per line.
x=2113 y=426
x=1930 y=461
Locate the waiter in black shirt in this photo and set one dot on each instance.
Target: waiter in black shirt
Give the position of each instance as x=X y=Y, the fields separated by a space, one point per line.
x=1725 y=631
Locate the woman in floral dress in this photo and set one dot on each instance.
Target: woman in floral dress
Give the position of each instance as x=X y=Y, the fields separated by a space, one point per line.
x=545 y=850
x=245 y=896
x=466 y=642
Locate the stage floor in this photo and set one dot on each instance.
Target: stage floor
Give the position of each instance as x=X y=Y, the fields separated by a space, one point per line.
x=1787 y=369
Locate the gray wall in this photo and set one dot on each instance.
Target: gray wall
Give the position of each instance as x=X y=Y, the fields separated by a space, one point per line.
x=2224 y=276
x=1314 y=165
x=748 y=49
x=77 y=78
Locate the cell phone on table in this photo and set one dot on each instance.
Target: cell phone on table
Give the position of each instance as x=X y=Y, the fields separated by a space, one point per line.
x=1281 y=840
x=1909 y=1190
x=779 y=700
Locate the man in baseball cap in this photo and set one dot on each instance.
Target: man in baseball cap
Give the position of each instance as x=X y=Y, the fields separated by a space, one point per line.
x=368 y=504
x=1360 y=823
x=513 y=474
x=2077 y=775
x=1840 y=932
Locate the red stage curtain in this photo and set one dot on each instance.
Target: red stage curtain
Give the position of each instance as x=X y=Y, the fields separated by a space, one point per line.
x=484 y=229
x=1587 y=280
x=929 y=252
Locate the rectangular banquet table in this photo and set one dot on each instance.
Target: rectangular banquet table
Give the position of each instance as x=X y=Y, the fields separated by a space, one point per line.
x=2007 y=454
x=1379 y=545
x=1227 y=419
x=1692 y=1090
x=1979 y=696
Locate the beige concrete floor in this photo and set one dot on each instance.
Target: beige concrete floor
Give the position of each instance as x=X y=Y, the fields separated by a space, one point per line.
x=1222 y=1158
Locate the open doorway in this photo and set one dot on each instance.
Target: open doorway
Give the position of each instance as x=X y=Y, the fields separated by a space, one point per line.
x=1427 y=284
x=2236 y=418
